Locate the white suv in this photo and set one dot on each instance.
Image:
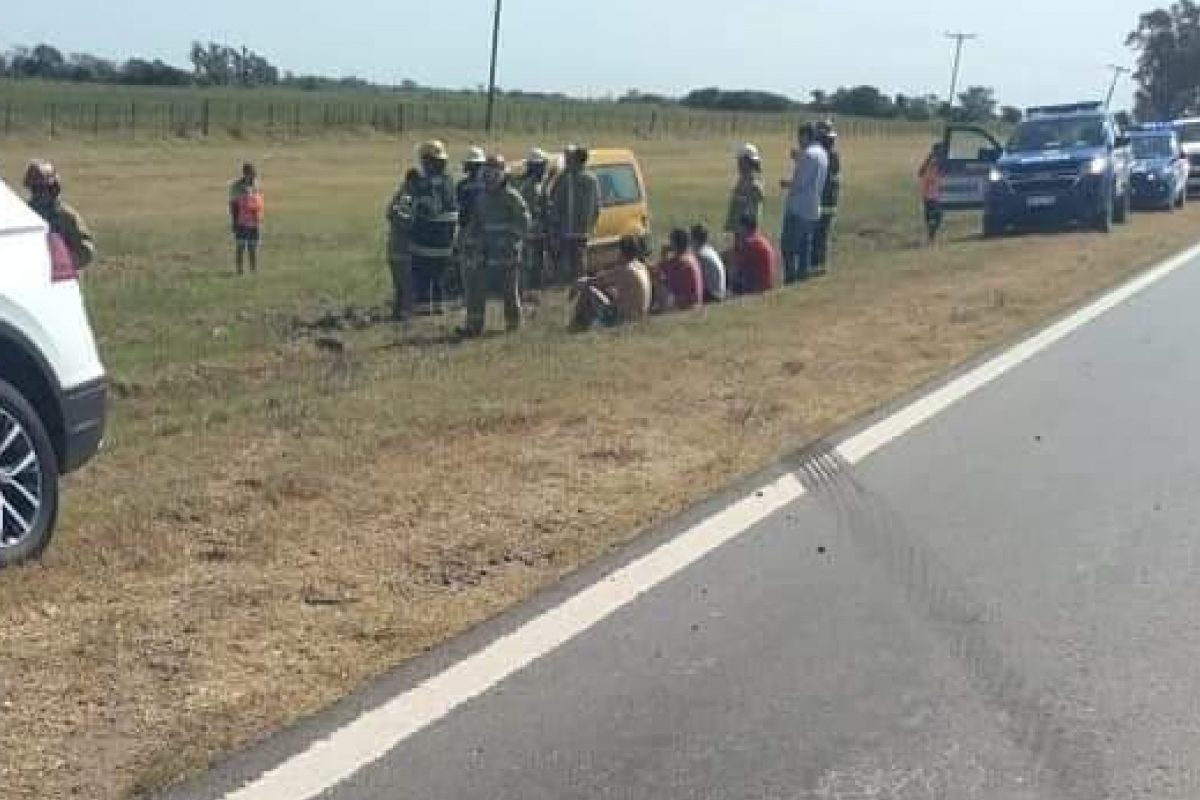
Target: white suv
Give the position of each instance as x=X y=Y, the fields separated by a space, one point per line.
x=53 y=388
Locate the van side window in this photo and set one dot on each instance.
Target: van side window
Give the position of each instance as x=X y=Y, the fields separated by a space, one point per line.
x=618 y=185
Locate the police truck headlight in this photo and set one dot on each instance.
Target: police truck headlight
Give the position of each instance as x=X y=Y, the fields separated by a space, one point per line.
x=995 y=176
x=1098 y=165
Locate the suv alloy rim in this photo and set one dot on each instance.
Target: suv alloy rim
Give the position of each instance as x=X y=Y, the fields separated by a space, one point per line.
x=20 y=482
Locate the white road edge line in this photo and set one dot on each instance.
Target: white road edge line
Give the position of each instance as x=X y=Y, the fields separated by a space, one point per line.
x=335 y=758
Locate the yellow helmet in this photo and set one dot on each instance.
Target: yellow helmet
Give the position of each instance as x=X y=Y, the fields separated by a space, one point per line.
x=434 y=150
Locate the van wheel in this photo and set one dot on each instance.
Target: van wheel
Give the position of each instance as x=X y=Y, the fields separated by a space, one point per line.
x=28 y=480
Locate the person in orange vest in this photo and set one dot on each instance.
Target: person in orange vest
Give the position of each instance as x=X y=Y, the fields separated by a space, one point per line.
x=246 y=215
x=933 y=169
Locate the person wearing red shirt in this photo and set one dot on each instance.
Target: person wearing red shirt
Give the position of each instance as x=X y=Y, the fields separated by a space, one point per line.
x=680 y=273
x=755 y=258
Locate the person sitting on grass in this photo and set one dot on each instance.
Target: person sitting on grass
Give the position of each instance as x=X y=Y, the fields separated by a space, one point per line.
x=715 y=281
x=679 y=274
x=246 y=214
x=615 y=296
x=755 y=259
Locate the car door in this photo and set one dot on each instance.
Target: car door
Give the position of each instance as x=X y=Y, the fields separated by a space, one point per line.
x=970 y=155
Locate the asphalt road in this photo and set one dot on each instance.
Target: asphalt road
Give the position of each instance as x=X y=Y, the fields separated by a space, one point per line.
x=1002 y=603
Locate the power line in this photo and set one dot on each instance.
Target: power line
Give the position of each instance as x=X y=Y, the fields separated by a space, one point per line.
x=959 y=37
x=1117 y=71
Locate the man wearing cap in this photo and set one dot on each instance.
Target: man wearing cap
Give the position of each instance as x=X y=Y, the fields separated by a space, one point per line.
x=574 y=212
x=466 y=193
x=748 y=192
x=434 y=225
x=45 y=192
x=499 y=225
x=827 y=137
x=802 y=208
x=532 y=188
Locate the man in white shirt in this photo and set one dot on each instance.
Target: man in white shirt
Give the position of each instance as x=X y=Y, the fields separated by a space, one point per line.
x=802 y=209
x=711 y=265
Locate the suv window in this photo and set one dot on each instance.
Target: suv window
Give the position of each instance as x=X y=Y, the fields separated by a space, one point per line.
x=1053 y=134
x=1154 y=147
x=618 y=185
x=1189 y=132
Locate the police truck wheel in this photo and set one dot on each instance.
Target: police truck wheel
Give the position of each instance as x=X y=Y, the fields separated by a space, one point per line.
x=992 y=227
x=28 y=480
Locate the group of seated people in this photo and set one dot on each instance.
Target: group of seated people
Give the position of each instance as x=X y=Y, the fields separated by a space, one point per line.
x=690 y=273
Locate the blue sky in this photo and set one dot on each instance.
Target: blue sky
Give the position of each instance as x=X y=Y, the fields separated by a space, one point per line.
x=1031 y=52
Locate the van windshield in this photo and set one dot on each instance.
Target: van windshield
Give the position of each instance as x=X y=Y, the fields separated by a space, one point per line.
x=1153 y=147
x=1056 y=134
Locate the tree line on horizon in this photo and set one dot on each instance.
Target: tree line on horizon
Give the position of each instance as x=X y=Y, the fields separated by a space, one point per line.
x=1166 y=41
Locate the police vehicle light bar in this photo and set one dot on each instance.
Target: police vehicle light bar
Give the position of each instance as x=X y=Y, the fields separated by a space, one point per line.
x=1069 y=108
x=1152 y=127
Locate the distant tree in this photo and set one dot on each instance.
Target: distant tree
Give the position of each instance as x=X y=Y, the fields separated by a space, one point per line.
x=977 y=104
x=1011 y=115
x=139 y=72
x=819 y=100
x=1167 y=41
x=42 y=61
x=862 y=101
x=87 y=68
x=716 y=99
x=648 y=98
x=409 y=85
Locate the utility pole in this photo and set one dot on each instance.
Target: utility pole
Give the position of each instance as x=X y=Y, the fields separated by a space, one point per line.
x=491 y=100
x=1117 y=71
x=958 y=37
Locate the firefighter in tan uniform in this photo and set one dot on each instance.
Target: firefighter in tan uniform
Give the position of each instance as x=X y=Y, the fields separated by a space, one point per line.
x=532 y=187
x=399 y=215
x=499 y=224
x=746 y=200
x=574 y=212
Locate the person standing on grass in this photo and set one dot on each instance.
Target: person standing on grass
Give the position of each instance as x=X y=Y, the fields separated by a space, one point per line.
x=680 y=274
x=45 y=198
x=399 y=216
x=755 y=258
x=499 y=224
x=711 y=265
x=930 y=175
x=748 y=192
x=830 y=195
x=246 y=211
x=574 y=212
x=803 y=205
x=532 y=187
x=466 y=194
x=434 y=226
x=618 y=295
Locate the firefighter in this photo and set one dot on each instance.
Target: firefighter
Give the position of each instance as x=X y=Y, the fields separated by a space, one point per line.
x=499 y=225
x=748 y=193
x=399 y=215
x=532 y=187
x=45 y=192
x=466 y=192
x=827 y=137
x=574 y=212
x=434 y=226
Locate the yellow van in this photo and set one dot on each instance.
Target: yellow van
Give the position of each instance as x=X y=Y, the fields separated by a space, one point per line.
x=624 y=203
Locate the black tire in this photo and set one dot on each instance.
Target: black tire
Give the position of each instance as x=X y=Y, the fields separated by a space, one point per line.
x=1121 y=209
x=28 y=480
x=992 y=227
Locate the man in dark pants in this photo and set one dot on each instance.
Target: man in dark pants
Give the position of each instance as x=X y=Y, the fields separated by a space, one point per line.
x=830 y=194
x=434 y=226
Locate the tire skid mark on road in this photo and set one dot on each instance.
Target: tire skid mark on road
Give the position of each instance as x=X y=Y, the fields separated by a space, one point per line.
x=1035 y=718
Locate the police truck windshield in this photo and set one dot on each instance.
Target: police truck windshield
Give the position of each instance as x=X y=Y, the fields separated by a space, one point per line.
x=1152 y=147
x=1189 y=132
x=1058 y=134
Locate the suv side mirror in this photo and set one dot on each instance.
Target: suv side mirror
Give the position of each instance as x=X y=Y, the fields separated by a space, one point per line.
x=1124 y=141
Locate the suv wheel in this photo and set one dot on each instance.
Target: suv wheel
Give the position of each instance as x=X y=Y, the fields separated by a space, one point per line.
x=28 y=480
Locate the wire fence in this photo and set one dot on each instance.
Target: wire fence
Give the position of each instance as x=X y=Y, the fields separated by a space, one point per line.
x=206 y=117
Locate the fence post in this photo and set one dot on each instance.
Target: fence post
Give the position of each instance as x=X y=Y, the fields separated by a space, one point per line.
x=133 y=120
x=204 y=109
x=171 y=127
x=96 y=119
x=53 y=120
x=270 y=116
x=296 y=119
x=8 y=118
x=400 y=118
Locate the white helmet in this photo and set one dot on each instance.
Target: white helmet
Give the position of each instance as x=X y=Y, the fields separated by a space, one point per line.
x=749 y=152
x=536 y=156
x=475 y=156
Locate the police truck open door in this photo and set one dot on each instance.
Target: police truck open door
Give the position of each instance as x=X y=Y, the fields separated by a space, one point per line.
x=970 y=155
